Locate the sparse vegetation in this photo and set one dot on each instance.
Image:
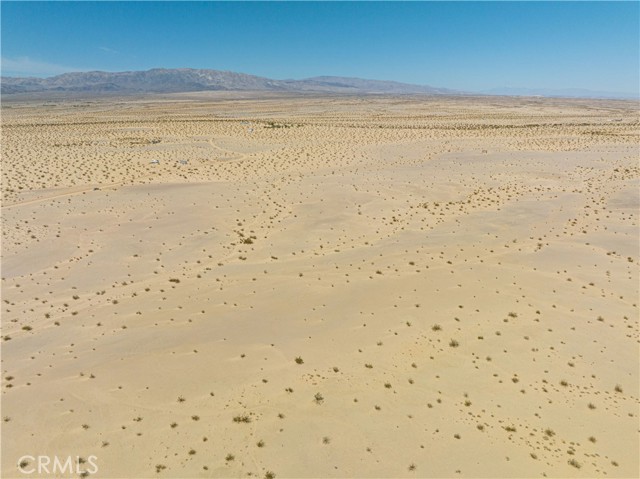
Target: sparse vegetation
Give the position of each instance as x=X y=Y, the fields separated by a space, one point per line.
x=289 y=233
x=242 y=418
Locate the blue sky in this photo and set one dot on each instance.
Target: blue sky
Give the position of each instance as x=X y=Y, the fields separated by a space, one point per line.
x=462 y=45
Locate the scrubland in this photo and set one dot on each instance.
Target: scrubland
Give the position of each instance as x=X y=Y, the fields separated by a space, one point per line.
x=199 y=285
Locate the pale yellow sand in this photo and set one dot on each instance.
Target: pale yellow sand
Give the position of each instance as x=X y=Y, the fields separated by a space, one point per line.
x=458 y=276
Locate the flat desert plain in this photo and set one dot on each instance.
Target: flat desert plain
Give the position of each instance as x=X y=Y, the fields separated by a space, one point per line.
x=203 y=285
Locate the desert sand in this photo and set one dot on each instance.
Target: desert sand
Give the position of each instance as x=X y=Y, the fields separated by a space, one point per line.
x=203 y=285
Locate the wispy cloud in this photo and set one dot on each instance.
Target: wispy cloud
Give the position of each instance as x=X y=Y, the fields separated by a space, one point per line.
x=25 y=66
x=109 y=50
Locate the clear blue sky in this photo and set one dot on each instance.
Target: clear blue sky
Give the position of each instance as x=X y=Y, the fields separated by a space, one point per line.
x=463 y=45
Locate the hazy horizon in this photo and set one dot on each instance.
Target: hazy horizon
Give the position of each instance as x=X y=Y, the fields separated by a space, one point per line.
x=504 y=90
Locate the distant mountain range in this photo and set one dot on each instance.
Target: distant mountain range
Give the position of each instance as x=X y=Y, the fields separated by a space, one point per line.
x=160 y=80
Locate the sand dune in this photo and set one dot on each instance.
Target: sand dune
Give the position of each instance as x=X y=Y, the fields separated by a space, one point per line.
x=202 y=286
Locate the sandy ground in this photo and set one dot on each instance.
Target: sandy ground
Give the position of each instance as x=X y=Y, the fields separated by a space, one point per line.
x=321 y=287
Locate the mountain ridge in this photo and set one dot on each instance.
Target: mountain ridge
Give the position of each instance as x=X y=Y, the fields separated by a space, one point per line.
x=179 y=80
x=185 y=80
